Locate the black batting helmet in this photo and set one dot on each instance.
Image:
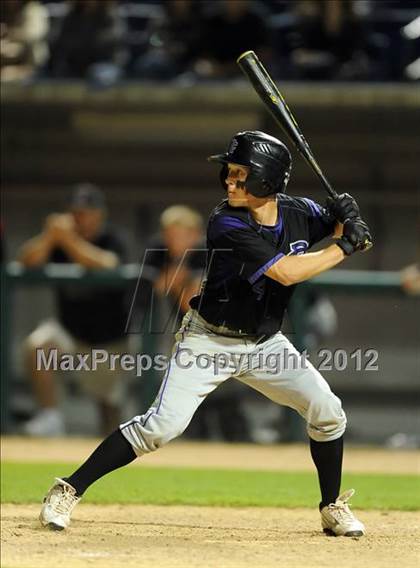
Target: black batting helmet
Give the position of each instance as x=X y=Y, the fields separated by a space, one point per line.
x=268 y=159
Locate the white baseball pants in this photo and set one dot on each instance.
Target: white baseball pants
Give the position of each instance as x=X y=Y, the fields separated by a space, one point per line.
x=203 y=359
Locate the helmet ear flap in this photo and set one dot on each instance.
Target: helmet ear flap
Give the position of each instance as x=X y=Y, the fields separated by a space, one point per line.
x=223 y=175
x=260 y=188
x=253 y=186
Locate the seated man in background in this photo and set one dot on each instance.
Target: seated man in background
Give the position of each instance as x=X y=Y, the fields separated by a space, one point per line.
x=88 y=317
x=176 y=257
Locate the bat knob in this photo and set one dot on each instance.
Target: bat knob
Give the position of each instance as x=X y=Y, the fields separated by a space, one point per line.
x=366 y=246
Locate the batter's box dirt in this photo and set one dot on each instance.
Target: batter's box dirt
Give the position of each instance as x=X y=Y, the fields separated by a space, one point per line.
x=114 y=536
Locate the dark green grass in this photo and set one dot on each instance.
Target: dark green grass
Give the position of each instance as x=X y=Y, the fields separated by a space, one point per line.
x=28 y=482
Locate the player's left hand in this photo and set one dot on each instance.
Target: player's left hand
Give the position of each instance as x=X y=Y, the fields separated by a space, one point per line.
x=356 y=237
x=343 y=207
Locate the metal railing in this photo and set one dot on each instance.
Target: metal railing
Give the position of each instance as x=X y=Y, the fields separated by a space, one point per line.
x=53 y=275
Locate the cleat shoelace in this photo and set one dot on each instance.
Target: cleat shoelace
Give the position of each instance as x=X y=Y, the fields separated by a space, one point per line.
x=340 y=508
x=341 y=512
x=63 y=500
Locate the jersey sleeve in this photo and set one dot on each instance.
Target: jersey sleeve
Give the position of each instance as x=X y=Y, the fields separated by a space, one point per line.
x=156 y=258
x=320 y=223
x=247 y=249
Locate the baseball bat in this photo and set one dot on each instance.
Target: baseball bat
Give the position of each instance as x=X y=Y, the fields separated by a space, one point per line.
x=275 y=103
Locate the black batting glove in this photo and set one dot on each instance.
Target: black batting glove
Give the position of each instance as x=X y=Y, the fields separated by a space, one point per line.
x=343 y=207
x=356 y=234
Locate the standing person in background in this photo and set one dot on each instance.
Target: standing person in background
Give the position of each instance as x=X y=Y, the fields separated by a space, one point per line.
x=178 y=255
x=87 y=317
x=175 y=259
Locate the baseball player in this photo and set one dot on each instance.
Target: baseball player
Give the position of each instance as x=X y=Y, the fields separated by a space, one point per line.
x=258 y=240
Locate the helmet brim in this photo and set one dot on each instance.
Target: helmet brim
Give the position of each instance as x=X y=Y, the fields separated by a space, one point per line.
x=226 y=159
x=220 y=158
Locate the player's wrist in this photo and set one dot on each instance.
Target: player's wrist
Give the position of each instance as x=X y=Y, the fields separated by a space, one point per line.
x=345 y=245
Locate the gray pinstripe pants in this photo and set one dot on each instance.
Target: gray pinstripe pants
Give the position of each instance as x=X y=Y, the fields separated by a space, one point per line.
x=203 y=358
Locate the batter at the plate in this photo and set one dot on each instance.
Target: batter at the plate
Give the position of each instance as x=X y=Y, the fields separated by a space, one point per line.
x=258 y=240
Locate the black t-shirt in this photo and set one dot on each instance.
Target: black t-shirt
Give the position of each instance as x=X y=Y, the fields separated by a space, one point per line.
x=236 y=292
x=157 y=260
x=157 y=257
x=95 y=315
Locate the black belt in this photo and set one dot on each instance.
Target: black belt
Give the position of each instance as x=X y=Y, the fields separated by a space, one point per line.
x=263 y=339
x=229 y=332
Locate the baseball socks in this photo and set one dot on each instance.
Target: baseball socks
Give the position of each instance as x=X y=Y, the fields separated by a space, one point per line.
x=114 y=452
x=328 y=458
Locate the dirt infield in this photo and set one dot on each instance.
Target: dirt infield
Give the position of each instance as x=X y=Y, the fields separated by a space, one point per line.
x=290 y=457
x=180 y=537
x=112 y=536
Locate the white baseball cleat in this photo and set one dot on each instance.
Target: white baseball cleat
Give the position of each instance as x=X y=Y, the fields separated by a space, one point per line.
x=338 y=520
x=58 y=504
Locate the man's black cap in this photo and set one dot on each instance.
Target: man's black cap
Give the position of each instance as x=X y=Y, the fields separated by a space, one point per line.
x=87 y=196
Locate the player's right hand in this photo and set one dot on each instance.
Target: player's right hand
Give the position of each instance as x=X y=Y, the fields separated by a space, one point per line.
x=356 y=235
x=343 y=207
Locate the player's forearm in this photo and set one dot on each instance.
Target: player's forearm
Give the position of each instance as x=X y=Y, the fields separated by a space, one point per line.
x=88 y=255
x=36 y=251
x=294 y=269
